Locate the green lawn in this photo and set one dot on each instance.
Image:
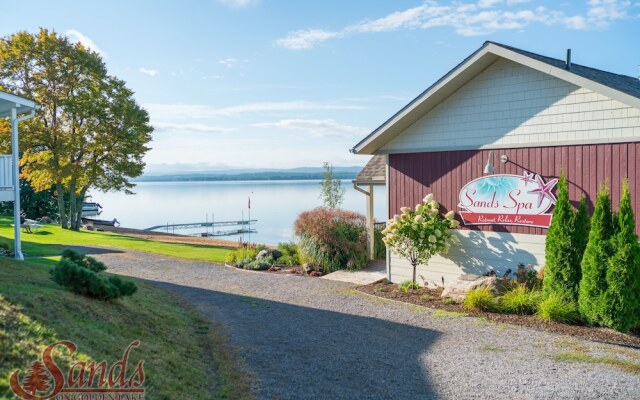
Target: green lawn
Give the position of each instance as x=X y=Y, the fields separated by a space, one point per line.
x=184 y=355
x=51 y=239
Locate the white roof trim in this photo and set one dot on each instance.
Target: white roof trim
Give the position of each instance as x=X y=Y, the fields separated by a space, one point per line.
x=9 y=101
x=462 y=74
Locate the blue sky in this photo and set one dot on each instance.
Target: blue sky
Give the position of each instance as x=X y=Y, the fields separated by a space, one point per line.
x=267 y=83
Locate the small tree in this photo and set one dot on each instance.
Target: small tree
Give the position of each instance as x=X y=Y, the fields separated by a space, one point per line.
x=562 y=268
x=332 y=193
x=596 y=258
x=419 y=234
x=622 y=296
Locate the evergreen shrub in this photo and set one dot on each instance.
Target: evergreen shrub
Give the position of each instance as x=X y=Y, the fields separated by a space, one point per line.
x=596 y=257
x=81 y=274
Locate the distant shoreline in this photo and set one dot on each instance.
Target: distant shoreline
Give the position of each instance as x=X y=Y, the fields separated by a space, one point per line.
x=257 y=176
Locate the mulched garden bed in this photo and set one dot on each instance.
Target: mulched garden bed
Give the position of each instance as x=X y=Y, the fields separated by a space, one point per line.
x=431 y=298
x=283 y=269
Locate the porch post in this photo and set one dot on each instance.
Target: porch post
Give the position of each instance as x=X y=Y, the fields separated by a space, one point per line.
x=370 y=223
x=17 y=248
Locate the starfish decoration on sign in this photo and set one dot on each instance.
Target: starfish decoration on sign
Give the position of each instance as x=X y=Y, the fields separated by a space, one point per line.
x=527 y=177
x=544 y=190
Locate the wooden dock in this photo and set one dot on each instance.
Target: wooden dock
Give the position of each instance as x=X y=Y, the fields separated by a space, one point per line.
x=193 y=225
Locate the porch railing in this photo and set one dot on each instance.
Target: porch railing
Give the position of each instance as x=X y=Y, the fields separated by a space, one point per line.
x=6 y=173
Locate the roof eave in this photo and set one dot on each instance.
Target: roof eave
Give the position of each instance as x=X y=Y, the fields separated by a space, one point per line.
x=462 y=74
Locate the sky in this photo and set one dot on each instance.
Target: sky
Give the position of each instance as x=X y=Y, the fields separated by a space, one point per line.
x=282 y=84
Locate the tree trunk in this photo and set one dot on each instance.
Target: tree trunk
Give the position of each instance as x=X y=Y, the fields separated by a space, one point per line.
x=80 y=202
x=414 y=265
x=61 y=208
x=72 y=206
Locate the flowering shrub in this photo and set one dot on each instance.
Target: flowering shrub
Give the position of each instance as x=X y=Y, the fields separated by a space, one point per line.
x=419 y=234
x=332 y=239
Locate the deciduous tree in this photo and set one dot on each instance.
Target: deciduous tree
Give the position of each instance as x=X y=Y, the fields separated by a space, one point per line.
x=89 y=132
x=332 y=193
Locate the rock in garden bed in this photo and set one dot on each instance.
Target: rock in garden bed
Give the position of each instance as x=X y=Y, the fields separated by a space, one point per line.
x=432 y=298
x=460 y=288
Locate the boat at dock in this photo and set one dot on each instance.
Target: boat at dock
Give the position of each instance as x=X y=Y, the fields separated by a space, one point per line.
x=91 y=207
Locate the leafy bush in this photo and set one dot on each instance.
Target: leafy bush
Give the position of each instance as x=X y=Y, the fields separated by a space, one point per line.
x=595 y=261
x=379 y=248
x=332 y=239
x=81 y=275
x=621 y=302
x=528 y=277
x=290 y=254
x=419 y=234
x=259 y=265
x=562 y=253
x=407 y=286
x=481 y=299
x=557 y=307
x=520 y=300
x=246 y=250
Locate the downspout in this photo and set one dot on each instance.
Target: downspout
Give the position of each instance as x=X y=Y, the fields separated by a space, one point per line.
x=359 y=189
x=16 y=179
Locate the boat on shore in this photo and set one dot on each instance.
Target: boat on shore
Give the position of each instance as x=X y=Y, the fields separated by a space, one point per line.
x=93 y=221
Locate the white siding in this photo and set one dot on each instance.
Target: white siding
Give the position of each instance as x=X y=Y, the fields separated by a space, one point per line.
x=510 y=105
x=477 y=252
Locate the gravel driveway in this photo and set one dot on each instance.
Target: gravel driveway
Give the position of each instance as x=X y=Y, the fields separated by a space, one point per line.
x=307 y=338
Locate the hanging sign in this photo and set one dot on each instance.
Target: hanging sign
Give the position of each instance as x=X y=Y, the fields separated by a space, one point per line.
x=508 y=200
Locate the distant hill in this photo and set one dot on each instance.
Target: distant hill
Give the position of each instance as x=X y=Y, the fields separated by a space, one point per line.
x=302 y=173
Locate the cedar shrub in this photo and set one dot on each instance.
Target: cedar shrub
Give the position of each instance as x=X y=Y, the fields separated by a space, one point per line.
x=582 y=226
x=562 y=269
x=622 y=296
x=595 y=261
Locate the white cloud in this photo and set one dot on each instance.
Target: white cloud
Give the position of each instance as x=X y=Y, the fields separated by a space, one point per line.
x=315 y=127
x=237 y=3
x=78 y=37
x=201 y=111
x=306 y=39
x=228 y=62
x=148 y=71
x=198 y=128
x=469 y=19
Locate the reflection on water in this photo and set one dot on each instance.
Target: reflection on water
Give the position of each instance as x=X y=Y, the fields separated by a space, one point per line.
x=275 y=204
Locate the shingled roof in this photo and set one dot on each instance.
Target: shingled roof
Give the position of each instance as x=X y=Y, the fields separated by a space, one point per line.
x=623 y=83
x=374 y=173
x=625 y=89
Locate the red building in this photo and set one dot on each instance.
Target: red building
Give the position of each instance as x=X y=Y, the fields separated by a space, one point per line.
x=489 y=139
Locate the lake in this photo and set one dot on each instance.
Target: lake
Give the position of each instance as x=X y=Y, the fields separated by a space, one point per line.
x=275 y=204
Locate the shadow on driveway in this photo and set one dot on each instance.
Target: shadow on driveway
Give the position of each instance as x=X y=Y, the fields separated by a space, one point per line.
x=295 y=352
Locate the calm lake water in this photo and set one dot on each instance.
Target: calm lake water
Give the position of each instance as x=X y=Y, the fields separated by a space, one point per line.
x=275 y=204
